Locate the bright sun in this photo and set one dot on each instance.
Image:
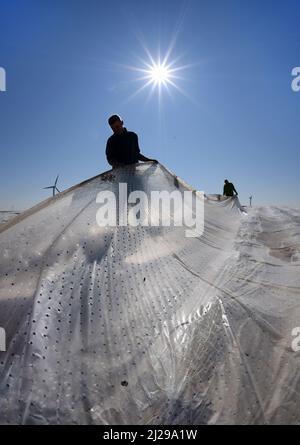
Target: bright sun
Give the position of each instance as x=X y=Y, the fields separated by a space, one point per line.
x=159 y=74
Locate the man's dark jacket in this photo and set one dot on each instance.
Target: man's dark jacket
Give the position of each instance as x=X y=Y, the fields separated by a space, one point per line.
x=229 y=189
x=123 y=148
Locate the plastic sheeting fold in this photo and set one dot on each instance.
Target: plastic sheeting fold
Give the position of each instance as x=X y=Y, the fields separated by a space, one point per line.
x=142 y=325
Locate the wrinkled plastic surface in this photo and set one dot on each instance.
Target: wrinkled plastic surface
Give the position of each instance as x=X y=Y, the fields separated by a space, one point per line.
x=144 y=325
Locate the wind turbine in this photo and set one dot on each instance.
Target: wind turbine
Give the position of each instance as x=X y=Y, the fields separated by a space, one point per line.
x=250 y=199
x=53 y=187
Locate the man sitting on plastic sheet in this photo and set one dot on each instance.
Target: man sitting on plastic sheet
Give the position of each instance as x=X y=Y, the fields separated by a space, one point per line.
x=229 y=189
x=122 y=147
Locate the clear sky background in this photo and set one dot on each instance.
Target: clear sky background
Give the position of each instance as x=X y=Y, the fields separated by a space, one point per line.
x=235 y=117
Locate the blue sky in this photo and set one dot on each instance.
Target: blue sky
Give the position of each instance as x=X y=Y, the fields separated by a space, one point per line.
x=66 y=65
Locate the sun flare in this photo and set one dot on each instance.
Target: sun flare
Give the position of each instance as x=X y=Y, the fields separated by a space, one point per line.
x=159 y=74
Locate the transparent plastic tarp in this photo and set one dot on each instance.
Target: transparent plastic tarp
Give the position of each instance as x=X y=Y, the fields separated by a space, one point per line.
x=143 y=325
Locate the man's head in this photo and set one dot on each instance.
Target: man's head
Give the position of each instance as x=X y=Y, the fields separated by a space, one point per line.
x=226 y=181
x=116 y=124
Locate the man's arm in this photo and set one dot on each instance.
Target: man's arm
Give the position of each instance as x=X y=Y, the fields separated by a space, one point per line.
x=235 y=190
x=145 y=159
